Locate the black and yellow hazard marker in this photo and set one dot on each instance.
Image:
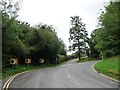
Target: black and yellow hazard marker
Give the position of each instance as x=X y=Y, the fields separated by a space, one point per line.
x=13 y=61
x=27 y=60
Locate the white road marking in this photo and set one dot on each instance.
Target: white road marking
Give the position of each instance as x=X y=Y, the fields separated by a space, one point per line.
x=68 y=75
x=66 y=72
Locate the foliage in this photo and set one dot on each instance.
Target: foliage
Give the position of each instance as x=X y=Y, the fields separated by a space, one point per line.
x=78 y=35
x=21 y=68
x=20 y=40
x=61 y=58
x=72 y=56
x=92 y=52
x=63 y=49
x=107 y=36
x=85 y=60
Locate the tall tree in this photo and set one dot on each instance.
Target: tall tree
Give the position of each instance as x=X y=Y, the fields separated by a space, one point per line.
x=107 y=36
x=78 y=35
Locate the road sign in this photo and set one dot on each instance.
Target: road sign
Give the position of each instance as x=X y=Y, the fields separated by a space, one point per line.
x=27 y=61
x=41 y=60
x=13 y=61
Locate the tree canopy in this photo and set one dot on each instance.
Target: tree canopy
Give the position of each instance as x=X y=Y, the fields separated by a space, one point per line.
x=78 y=35
x=20 y=40
x=107 y=36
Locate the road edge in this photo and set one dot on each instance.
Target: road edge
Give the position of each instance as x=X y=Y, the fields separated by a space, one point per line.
x=93 y=67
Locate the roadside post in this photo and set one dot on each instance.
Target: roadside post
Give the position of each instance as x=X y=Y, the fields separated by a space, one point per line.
x=14 y=62
x=28 y=61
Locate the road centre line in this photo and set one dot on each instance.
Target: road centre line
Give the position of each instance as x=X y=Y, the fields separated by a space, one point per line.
x=6 y=85
x=66 y=72
x=8 y=82
x=11 y=81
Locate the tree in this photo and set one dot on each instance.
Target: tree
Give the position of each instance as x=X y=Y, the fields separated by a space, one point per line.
x=62 y=50
x=45 y=42
x=10 y=8
x=107 y=36
x=12 y=46
x=20 y=40
x=94 y=52
x=78 y=35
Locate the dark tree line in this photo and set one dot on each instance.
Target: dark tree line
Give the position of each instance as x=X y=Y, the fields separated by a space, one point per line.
x=20 y=40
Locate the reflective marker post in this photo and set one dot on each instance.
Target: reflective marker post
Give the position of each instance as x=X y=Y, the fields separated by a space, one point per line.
x=13 y=62
x=28 y=61
x=41 y=61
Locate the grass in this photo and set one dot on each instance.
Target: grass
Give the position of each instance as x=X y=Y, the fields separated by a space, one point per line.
x=109 y=67
x=20 y=68
x=85 y=60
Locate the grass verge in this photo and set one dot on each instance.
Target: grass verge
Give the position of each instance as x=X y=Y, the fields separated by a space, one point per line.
x=21 y=68
x=109 y=67
x=85 y=60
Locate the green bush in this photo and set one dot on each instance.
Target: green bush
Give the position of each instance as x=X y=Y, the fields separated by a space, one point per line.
x=72 y=56
x=61 y=58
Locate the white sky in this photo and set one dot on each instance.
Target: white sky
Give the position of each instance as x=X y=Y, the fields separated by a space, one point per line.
x=58 y=12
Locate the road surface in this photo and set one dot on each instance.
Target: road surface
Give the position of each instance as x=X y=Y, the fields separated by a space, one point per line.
x=68 y=75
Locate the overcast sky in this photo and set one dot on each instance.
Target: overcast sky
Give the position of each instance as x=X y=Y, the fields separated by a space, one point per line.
x=58 y=12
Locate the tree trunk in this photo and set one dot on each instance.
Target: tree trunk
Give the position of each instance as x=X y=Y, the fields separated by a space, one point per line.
x=79 y=55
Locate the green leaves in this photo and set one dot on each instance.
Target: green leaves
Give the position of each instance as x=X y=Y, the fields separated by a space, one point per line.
x=20 y=40
x=107 y=37
x=78 y=35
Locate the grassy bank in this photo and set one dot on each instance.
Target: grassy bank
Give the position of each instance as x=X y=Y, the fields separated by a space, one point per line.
x=20 y=68
x=85 y=60
x=109 y=67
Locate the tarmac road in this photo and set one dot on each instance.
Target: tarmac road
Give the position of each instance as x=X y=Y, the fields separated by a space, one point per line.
x=68 y=75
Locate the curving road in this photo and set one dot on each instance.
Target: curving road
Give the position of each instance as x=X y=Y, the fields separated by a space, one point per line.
x=68 y=75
